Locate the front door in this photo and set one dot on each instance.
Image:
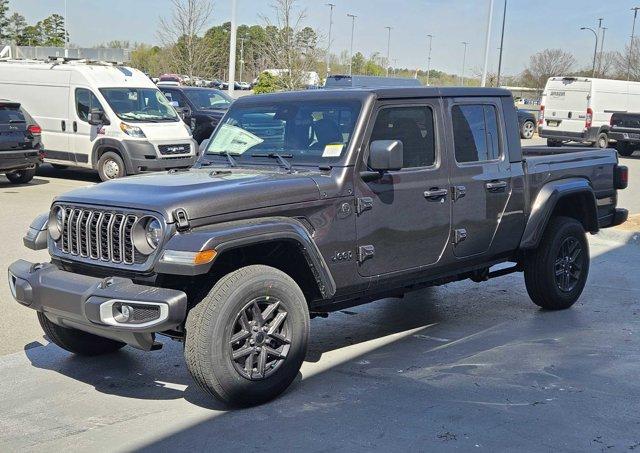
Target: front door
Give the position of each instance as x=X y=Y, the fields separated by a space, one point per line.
x=404 y=218
x=83 y=134
x=480 y=174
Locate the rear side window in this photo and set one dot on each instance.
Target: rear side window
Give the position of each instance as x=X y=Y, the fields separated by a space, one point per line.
x=414 y=127
x=10 y=114
x=175 y=96
x=85 y=101
x=475 y=133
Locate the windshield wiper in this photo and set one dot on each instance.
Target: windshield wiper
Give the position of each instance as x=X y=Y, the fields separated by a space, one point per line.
x=232 y=161
x=280 y=157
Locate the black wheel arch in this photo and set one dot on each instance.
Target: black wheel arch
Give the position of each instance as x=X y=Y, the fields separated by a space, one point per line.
x=104 y=145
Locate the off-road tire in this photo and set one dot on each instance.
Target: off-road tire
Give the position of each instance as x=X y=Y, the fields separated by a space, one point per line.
x=210 y=325
x=77 y=341
x=111 y=158
x=21 y=176
x=540 y=266
x=624 y=149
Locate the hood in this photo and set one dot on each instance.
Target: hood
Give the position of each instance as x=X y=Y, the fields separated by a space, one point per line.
x=164 y=130
x=200 y=192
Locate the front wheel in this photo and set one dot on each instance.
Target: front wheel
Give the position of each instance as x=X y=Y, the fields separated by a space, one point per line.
x=21 y=176
x=247 y=339
x=527 y=130
x=556 y=272
x=111 y=166
x=603 y=140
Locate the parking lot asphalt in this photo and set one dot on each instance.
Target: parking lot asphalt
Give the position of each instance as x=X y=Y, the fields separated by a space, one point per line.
x=458 y=367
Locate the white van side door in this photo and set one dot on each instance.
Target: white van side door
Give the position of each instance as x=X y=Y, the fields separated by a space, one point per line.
x=83 y=134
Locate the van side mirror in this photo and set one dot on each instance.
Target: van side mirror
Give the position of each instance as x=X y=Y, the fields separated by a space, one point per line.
x=385 y=155
x=97 y=117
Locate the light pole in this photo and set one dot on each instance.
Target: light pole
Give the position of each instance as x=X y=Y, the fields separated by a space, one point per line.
x=232 y=49
x=331 y=6
x=464 y=61
x=429 y=58
x=504 y=19
x=242 y=56
x=66 y=38
x=353 y=26
x=595 y=49
x=633 y=30
x=486 y=45
x=388 y=48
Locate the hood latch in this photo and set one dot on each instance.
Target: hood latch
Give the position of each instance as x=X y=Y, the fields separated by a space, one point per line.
x=182 y=221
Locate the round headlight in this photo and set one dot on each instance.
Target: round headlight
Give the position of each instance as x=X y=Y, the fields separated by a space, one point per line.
x=56 y=223
x=147 y=234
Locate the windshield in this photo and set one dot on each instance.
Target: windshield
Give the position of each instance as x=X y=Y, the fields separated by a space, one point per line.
x=313 y=132
x=139 y=104
x=208 y=99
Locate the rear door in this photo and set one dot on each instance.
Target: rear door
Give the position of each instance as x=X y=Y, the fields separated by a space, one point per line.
x=565 y=104
x=480 y=173
x=13 y=127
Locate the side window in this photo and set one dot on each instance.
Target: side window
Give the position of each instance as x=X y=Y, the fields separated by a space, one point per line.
x=475 y=133
x=414 y=127
x=175 y=96
x=85 y=101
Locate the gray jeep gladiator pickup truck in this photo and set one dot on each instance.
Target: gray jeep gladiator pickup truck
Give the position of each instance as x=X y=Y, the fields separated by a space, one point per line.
x=304 y=203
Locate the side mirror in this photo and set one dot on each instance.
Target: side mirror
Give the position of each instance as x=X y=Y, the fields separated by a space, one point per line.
x=97 y=117
x=385 y=155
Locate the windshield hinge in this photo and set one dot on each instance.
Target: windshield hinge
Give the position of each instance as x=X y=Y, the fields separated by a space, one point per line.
x=363 y=204
x=182 y=221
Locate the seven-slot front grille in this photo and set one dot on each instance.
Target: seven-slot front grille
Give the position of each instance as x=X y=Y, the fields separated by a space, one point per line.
x=99 y=235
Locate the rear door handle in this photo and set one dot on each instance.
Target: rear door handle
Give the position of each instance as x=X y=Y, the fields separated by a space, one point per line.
x=436 y=194
x=496 y=186
x=63 y=124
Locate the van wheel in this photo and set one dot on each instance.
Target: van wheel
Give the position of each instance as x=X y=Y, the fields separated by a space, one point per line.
x=553 y=143
x=624 y=149
x=21 y=176
x=603 y=140
x=556 y=272
x=111 y=166
x=246 y=340
x=527 y=130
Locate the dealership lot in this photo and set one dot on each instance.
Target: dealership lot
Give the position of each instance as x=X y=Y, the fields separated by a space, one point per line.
x=435 y=370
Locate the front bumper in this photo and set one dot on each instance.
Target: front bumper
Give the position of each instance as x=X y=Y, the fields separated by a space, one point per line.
x=19 y=160
x=142 y=156
x=83 y=302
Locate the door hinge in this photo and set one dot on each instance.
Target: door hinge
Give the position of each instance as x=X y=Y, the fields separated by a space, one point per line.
x=365 y=252
x=459 y=192
x=459 y=235
x=182 y=221
x=363 y=204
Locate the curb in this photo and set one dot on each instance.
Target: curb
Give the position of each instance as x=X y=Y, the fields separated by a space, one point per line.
x=620 y=236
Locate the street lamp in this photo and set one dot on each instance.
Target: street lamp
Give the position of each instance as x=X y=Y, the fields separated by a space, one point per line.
x=331 y=6
x=388 y=47
x=464 y=61
x=595 y=49
x=429 y=58
x=486 y=45
x=353 y=26
x=504 y=19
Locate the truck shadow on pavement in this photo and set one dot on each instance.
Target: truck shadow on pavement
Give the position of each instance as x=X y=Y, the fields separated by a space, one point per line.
x=5 y=184
x=73 y=173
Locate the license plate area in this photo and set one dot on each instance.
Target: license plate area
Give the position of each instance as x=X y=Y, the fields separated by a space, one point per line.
x=553 y=123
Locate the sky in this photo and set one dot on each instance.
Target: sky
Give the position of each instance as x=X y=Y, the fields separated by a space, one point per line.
x=530 y=26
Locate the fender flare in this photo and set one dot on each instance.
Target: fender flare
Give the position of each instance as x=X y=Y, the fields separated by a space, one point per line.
x=102 y=143
x=227 y=236
x=547 y=199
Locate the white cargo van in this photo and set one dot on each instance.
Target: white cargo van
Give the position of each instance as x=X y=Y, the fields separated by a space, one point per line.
x=580 y=108
x=99 y=115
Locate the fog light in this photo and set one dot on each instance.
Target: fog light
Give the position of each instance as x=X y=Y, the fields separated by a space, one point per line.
x=122 y=312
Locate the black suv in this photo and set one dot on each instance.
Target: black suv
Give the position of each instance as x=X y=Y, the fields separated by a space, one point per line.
x=202 y=108
x=19 y=143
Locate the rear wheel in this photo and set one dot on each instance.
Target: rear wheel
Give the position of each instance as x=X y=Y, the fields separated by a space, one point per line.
x=21 y=176
x=247 y=338
x=624 y=149
x=603 y=140
x=556 y=272
x=77 y=341
x=527 y=130
x=111 y=166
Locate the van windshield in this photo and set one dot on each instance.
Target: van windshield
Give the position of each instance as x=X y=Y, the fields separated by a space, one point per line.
x=140 y=104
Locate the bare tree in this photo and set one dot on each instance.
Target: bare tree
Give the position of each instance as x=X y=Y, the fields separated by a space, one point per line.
x=181 y=33
x=547 y=63
x=290 y=47
x=627 y=63
x=607 y=65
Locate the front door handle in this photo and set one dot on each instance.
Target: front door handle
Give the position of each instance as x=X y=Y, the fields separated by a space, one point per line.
x=63 y=125
x=436 y=194
x=75 y=127
x=496 y=186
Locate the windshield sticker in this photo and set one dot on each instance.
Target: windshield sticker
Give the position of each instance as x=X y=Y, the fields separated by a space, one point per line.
x=233 y=140
x=332 y=150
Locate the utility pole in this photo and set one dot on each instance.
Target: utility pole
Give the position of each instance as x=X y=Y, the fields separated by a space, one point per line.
x=353 y=26
x=66 y=34
x=464 y=61
x=486 y=45
x=242 y=56
x=429 y=58
x=595 y=50
x=232 y=49
x=633 y=29
x=600 y=19
x=604 y=29
x=504 y=19
x=331 y=6
x=388 y=48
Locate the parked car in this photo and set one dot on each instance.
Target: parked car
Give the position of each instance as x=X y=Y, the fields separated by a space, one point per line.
x=360 y=81
x=360 y=198
x=112 y=119
x=175 y=78
x=625 y=130
x=579 y=108
x=527 y=122
x=19 y=143
x=202 y=108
